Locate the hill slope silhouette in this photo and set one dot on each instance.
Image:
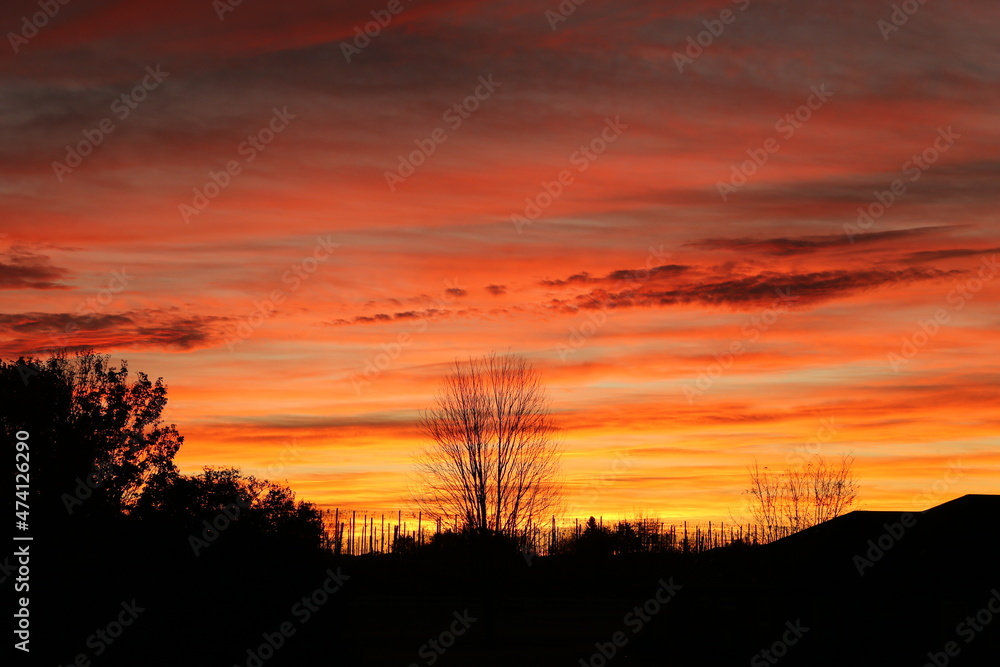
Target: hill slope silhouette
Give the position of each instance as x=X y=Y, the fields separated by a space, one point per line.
x=873 y=588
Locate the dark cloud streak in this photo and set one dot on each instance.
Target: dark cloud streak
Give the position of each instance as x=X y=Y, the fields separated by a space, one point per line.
x=23 y=269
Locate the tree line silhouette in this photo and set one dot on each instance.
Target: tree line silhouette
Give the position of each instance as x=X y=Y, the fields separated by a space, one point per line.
x=102 y=452
x=491 y=467
x=217 y=560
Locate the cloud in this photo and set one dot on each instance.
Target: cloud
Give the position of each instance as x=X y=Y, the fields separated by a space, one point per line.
x=145 y=329
x=756 y=290
x=378 y=317
x=784 y=246
x=42 y=323
x=23 y=269
x=496 y=290
x=575 y=278
x=666 y=271
x=628 y=289
x=429 y=313
x=930 y=255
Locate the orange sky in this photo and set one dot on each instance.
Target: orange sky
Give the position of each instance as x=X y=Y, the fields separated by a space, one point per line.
x=636 y=277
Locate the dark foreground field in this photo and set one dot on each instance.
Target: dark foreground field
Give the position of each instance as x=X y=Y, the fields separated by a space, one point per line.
x=866 y=589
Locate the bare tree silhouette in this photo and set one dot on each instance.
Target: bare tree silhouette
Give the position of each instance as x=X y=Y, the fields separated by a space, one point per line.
x=492 y=463
x=800 y=497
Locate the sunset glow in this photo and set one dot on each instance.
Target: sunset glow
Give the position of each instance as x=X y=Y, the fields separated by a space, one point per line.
x=785 y=244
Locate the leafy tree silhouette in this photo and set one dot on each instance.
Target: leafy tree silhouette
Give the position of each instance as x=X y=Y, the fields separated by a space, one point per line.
x=97 y=436
x=101 y=452
x=253 y=509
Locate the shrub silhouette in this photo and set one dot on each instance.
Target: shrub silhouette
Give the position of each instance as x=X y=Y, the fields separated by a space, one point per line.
x=594 y=542
x=627 y=539
x=404 y=545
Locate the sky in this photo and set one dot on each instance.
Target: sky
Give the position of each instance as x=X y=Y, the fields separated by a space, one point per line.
x=721 y=231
